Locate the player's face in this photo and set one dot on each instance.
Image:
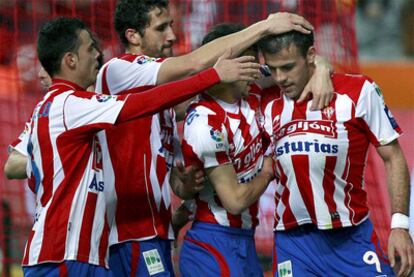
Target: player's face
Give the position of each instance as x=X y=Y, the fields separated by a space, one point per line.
x=87 y=59
x=159 y=36
x=290 y=70
x=45 y=80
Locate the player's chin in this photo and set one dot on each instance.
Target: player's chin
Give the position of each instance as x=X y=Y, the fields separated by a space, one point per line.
x=167 y=52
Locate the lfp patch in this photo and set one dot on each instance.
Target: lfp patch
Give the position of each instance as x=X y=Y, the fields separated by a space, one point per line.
x=103 y=97
x=153 y=262
x=216 y=135
x=145 y=59
x=285 y=269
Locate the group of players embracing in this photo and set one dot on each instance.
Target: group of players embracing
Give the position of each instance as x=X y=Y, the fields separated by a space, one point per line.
x=102 y=163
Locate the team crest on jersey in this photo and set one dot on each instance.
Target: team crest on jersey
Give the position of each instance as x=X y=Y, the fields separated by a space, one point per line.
x=328 y=112
x=145 y=59
x=101 y=98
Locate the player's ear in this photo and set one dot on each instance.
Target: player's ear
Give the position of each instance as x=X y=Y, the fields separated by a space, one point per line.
x=311 y=55
x=70 y=60
x=133 y=36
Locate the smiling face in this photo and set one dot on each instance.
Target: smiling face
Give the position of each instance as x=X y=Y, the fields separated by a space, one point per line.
x=290 y=70
x=158 y=37
x=86 y=59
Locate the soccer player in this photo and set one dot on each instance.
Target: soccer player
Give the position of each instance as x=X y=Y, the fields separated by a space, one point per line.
x=222 y=135
x=15 y=166
x=142 y=163
x=321 y=218
x=70 y=233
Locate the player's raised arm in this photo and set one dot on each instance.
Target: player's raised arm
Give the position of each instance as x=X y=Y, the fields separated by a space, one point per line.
x=203 y=57
x=225 y=70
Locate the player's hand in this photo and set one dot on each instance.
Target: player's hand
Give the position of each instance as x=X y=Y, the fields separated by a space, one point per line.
x=238 y=69
x=400 y=245
x=283 y=22
x=191 y=179
x=320 y=86
x=180 y=217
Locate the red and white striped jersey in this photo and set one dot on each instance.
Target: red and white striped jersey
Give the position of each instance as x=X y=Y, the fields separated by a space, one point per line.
x=138 y=156
x=216 y=133
x=20 y=144
x=321 y=155
x=65 y=160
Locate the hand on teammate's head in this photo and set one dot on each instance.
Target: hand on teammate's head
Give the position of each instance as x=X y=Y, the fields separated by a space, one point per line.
x=243 y=68
x=283 y=22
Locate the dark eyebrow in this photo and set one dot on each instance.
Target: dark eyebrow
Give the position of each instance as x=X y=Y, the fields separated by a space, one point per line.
x=288 y=65
x=162 y=26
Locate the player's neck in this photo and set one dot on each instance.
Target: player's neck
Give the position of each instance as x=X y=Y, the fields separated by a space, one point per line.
x=71 y=78
x=136 y=50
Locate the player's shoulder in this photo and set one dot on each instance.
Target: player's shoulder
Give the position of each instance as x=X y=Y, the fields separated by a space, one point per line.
x=139 y=59
x=129 y=59
x=342 y=78
x=203 y=112
x=351 y=84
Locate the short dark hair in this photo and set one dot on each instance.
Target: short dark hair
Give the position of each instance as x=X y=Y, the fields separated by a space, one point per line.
x=273 y=44
x=224 y=29
x=56 y=38
x=134 y=14
x=221 y=30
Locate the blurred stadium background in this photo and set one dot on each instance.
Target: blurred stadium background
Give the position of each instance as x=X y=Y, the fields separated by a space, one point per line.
x=372 y=37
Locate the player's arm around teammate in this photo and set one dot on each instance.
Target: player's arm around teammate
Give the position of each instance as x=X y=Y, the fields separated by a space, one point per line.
x=186 y=181
x=399 y=242
x=235 y=197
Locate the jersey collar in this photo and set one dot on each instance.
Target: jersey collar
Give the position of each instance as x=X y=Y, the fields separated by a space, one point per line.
x=65 y=84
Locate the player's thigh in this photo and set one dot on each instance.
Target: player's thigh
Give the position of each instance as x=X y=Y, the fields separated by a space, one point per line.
x=250 y=263
x=218 y=254
x=292 y=256
x=144 y=258
x=201 y=259
x=360 y=253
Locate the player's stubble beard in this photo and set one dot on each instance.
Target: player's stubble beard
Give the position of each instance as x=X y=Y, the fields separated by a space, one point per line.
x=166 y=51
